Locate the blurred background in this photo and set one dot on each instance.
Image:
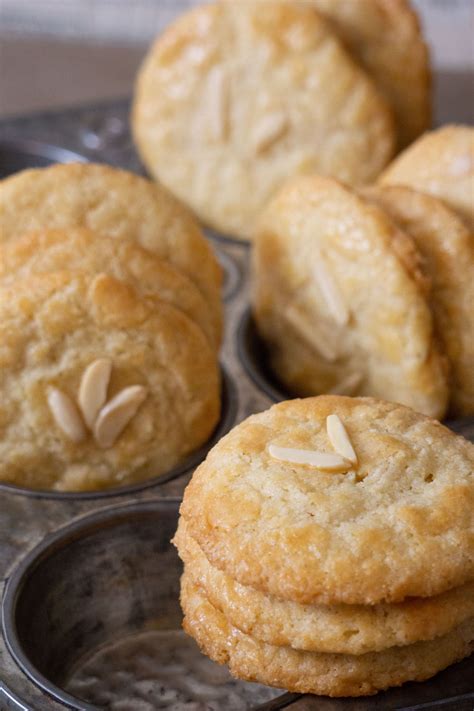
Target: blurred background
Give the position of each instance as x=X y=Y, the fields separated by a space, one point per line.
x=56 y=53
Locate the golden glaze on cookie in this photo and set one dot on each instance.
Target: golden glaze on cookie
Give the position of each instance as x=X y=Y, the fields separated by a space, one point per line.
x=386 y=40
x=53 y=329
x=338 y=292
x=235 y=97
x=447 y=247
x=440 y=163
x=310 y=672
x=83 y=250
x=399 y=523
x=112 y=203
x=342 y=629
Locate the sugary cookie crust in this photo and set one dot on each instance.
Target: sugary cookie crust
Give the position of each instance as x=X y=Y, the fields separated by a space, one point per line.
x=112 y=203
x=53 y=327
x=83 y=250
x=342 y=629
x=386 y=334
x=235 y=97
x=386 y=38
x=310 y=672
x=398 y=524
x=447 y=247
x=440 y=163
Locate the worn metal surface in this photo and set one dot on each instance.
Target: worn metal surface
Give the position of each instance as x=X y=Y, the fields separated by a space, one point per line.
x=100 y=133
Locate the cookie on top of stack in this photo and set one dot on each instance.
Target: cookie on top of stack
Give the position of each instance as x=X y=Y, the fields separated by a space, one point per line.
x=328 y=546
x=109 y=334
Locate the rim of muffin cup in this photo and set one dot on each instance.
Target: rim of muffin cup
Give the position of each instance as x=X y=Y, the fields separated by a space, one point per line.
x=232 y=274
x=31 y=575
x=228 y=416
x=221 y=237
x=26 y=153
x=253 y=355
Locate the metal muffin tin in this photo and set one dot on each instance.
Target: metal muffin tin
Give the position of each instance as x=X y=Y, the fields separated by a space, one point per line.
x=92 y=579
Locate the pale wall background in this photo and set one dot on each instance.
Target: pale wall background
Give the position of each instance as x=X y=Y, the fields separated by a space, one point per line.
x=449 y=24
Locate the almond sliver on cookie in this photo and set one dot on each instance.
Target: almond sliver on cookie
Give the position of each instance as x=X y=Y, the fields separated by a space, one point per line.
x=339 y=438
x=66 y=415
x=330 y=292
x=320 y=460
x=117 y=413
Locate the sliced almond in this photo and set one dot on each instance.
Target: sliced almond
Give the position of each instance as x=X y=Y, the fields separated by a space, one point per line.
x=115 y=416
x=218 y=103
x=348 y=385
x=339 y=438
x=93 y=389
x=66 y=415
x=268 y=130
x=330 y=293
x=320 y=460
x=308 y=332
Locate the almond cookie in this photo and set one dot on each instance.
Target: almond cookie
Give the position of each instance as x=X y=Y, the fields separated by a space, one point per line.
x=342 y=629
x=440 y=163
x=112 y=203
x=395 y=522
x=82 y=250
x=340 y=299
x=386 y=40
x=310 y=672
x=98 y=387
x=235 y=97
x=447 y=247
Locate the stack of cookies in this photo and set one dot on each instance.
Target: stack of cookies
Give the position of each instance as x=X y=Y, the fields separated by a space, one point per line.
x=328 y=546
x=110 y=325
x=237 y=96
x=372 y=292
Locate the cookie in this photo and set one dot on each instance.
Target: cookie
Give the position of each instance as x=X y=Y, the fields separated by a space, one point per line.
x=82 y=250
x=98 y=388
x=396 y=523
x=386 y=39
x=342 y=629
x=235 y=97
x=340 y=299
x=310 y=672
x=440 y=163
x=112 y=203
x=447 y=247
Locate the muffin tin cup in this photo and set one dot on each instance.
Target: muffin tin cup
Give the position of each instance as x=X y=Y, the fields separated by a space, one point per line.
x=84 y=572
x=109 y=584
x=253 y=355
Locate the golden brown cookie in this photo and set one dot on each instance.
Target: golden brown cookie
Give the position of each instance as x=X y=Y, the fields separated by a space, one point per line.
x=440 y=163
x=97 y=387
x=386 y=39
x=342 y=629
x=112 y=203
x=80 y=249
x=235 y=97
x=339 y=298
x=447 y=247
x=395 y=523
x=310 y=672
